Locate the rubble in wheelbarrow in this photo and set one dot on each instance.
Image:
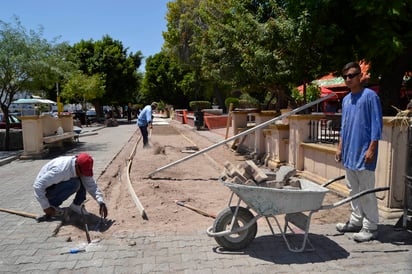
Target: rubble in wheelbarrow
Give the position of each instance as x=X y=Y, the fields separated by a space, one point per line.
x=248 y=173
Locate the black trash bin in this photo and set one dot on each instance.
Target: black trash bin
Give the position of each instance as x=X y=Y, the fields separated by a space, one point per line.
x=199 y=119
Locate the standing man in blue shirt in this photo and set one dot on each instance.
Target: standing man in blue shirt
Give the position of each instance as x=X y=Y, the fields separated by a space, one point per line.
x=358 y=149
x=144 y=120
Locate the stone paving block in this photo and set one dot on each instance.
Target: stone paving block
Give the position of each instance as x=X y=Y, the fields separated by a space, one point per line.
x=254 y=171
x=127 y=269
x=27 y=259
x=233 y=171
x=33 y=268
x=89 y=263
x=63 y=265
x=284 y=173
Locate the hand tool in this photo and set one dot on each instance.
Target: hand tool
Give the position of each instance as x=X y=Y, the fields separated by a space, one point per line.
x=20 y=213
x=197 y=210
x=86 y=227
x=73 y=251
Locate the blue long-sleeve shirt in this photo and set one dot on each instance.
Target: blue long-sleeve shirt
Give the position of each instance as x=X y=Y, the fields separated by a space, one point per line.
x=361 y=124
x=145 y=116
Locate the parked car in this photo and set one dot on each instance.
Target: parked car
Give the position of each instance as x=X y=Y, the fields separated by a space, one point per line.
x=13 y=121
x=91 y=116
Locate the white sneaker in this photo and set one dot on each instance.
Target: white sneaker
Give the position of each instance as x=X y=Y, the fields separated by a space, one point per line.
x=365 y=235
x=79 y=209
x=347 y=227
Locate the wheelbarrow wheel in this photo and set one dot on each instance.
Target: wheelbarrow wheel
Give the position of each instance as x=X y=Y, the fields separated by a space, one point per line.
x=238 y=240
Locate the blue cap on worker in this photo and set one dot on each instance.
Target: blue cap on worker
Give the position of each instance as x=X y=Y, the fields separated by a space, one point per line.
x=85 y=163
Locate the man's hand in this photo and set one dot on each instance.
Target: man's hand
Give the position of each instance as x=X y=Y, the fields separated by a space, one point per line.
x=50 y=211
x=338 y=155
x=103 y=210
x=370 y=153
x=369 y=156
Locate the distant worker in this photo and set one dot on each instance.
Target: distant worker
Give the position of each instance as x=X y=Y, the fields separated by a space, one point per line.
x=145 y=120
x=358 y=149
x=64 y=176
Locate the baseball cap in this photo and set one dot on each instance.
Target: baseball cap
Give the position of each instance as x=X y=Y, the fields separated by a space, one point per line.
x=85 y=162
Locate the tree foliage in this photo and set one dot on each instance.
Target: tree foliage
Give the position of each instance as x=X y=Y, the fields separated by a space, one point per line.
x=26 y=60
x=116 y=69
x=84 y=88
x=166 y=80
x=262 y=46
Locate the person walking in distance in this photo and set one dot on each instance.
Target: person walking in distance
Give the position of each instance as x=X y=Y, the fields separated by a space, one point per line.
x=145 y=120
x=64 y=176
x=358 y=150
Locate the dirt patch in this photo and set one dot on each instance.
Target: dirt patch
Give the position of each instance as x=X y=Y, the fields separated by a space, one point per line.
x=194 y=181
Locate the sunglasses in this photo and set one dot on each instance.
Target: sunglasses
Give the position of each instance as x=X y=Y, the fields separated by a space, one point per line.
x=350 y=75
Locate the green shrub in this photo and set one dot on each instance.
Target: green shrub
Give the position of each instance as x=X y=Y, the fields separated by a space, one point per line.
x=199 y=105
x=232 y=100
x=312 y=93
x=247 y=101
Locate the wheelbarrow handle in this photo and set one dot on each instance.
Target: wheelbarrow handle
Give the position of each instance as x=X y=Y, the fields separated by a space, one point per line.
x=350 y=198
x=333 y=180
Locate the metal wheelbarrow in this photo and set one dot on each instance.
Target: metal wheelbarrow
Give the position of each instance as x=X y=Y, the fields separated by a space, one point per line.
x=235 y=227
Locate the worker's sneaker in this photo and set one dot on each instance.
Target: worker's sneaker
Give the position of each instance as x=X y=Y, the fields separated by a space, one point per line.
x=79 y=209
x=365 y=235
x=347 y=227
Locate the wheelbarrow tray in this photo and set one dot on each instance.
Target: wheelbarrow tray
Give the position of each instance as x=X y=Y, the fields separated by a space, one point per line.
x=274 y=201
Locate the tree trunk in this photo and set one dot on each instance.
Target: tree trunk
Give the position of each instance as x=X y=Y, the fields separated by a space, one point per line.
x=219 y=97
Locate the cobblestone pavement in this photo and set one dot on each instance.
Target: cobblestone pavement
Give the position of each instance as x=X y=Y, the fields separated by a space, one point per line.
x=28 y=247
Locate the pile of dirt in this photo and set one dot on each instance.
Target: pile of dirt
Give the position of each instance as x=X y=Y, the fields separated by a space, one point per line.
x=195 y=182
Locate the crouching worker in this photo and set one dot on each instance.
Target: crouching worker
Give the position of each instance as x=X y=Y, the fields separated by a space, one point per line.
x=64 y=176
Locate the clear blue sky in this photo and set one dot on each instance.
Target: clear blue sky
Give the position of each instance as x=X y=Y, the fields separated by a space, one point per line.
x=138 y=24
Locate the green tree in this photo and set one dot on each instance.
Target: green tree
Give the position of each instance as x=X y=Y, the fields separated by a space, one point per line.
x=254 y=46
x=376 y=31
x=165 y=80
x=82 y=88
x=266 y=45
x=118 y=69
x=185 y=32
x=387 y=44
x=25 y=59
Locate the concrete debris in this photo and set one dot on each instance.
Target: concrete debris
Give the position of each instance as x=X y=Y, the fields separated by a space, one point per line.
x=248 y=173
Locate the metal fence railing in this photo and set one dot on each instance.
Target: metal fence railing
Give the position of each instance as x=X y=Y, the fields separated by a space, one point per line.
x=324 y=130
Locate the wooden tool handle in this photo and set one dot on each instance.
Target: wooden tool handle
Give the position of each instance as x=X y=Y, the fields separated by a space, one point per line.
x=20 y=213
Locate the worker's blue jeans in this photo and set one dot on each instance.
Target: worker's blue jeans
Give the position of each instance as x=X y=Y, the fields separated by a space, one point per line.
x=145 y=134
x=60 y=192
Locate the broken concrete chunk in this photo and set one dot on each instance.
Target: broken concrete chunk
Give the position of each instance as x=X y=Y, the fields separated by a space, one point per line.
x=271 y=175
x=233 y=171
x=237 y=180
x=250 y=182
x=294 y=182
x=253 y=170
x=284 y=173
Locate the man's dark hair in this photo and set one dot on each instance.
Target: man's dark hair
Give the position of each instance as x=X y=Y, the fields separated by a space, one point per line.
x=351 y=65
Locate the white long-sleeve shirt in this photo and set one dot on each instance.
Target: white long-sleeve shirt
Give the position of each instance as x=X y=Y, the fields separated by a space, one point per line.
x=59 y=170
